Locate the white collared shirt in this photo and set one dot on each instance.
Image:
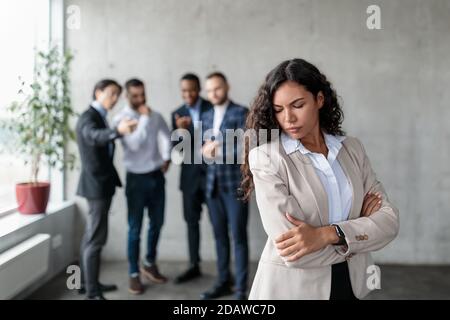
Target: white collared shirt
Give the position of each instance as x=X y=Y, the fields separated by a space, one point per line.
x=219 y=114
x=147 y=148
x=329 y=170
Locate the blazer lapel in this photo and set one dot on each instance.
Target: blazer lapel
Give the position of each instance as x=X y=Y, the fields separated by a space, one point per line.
x=203 y=106
x=207 y=119
x=224 y=124
x=99 y=117
x=305 y=168
x=348 y=166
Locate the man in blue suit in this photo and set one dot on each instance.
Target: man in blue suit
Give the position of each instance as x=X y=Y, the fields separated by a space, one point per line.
x=193 y=169
x=223 y=178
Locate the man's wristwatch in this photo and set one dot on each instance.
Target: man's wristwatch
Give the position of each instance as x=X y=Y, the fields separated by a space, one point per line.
x=340 y=234
x=116 y=134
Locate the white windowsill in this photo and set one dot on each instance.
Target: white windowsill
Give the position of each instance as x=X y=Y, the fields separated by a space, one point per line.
x=15 y=220
x=5 y=211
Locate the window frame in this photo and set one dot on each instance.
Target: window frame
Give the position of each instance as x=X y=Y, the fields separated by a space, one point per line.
x=56 y=36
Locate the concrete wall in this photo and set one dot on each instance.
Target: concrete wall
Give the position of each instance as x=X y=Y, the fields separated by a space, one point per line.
x=393 y=83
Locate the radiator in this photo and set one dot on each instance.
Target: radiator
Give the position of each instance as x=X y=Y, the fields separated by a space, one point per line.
x=23 y=264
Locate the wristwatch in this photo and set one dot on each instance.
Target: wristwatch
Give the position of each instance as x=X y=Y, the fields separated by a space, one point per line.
x=115 y=134
x=340 y=234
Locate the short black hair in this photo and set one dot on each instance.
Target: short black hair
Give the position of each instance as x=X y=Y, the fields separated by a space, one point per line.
x=218 y=75
x=133 y=83
x=192 y=77
x=102 y=84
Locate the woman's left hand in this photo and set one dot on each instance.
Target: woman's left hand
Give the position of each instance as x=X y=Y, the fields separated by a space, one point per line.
x=301 y=240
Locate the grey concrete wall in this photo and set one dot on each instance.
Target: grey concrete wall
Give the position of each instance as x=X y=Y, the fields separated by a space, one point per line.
x=393 y=83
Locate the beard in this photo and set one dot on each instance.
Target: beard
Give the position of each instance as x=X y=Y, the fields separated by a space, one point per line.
x=221 y=101
x=136 y=106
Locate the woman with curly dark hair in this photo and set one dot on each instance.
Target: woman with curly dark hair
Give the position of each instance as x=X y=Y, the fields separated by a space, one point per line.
x=320 y=202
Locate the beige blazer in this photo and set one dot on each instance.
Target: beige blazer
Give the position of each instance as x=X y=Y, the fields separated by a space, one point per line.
x=289 y=183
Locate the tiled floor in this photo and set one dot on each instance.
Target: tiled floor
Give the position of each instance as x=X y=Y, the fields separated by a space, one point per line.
x=398 y=282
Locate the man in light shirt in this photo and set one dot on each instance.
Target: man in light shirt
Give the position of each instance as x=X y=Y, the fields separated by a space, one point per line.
x=146 y=160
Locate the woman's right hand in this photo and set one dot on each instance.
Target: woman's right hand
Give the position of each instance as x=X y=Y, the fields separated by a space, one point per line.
x=371 y=204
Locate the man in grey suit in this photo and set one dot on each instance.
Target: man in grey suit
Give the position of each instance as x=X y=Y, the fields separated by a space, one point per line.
x=98 y=179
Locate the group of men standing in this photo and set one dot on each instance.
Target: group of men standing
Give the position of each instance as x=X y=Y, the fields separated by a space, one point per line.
x=147 y=147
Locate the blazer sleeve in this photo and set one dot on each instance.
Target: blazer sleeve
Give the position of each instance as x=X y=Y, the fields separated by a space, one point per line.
x=172 y=118
x=274 y=200
x=95 y=136
x=174 y=127
x=372 y=233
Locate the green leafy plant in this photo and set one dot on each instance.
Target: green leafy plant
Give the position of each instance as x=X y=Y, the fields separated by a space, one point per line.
x=39 y=128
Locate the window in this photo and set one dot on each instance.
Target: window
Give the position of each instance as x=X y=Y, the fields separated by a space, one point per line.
x=24 y=27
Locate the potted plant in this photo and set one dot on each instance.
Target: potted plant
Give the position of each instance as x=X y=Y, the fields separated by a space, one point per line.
x=40 y=128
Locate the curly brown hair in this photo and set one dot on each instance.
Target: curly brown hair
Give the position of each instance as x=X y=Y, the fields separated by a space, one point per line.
x=262 y=115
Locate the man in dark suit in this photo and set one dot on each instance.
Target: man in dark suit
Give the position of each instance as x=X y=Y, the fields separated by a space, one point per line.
x=193 y=170
x=98 y=179
x=222 y=182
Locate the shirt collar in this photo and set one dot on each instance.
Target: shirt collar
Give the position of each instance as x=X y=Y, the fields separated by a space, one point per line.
x=223 y=106
x=129 y=109
x=100 y=108
x=290 y=145
x=334 y=144
x=196 y=105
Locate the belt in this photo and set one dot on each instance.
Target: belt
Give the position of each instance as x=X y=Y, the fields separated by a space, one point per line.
x=153 y=173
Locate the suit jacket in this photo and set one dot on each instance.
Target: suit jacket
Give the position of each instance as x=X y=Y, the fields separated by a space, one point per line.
x=98 y=178
x=192 y=175
x=227 y=176
x=288 y=183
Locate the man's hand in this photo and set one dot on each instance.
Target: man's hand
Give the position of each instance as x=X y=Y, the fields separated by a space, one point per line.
x=371 y=204
x=144 y=110
x=182 y=122
x=165 y=166
x=126 y=126
x=209 y=149
x=303 y=239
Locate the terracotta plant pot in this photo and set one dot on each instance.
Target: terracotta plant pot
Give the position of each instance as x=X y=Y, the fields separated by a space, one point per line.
x=32 y=198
